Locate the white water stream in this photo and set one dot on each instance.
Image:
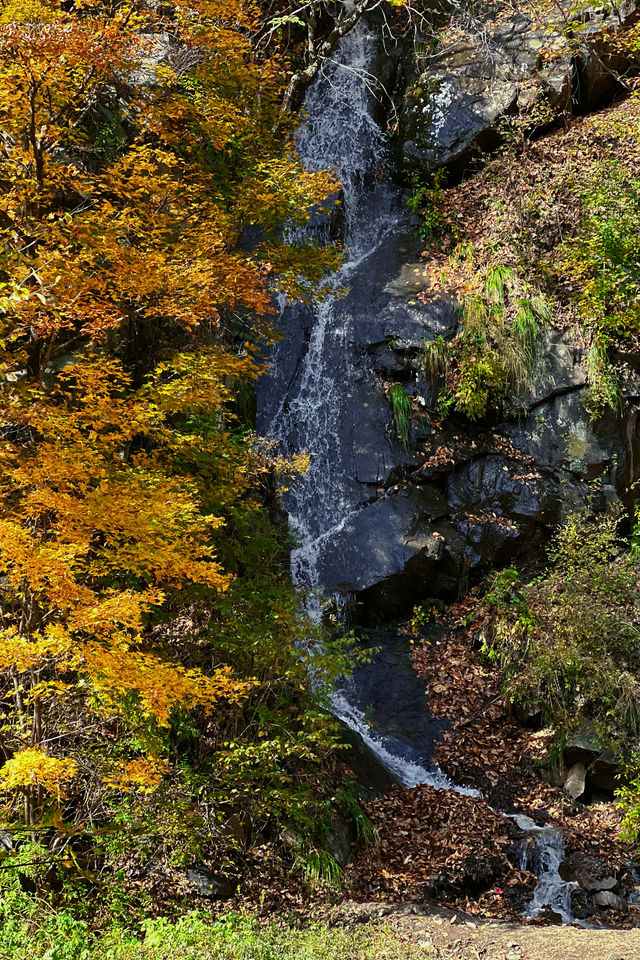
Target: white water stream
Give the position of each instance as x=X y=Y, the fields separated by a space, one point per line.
x=340 y=132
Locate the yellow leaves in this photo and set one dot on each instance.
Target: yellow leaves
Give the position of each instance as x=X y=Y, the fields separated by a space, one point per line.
x=117 y=672
x=33 y=767
x=55 y=644
x=144 y=774
x=17 y=11
x=158 y=232
x=198 y=382
x=125 y=610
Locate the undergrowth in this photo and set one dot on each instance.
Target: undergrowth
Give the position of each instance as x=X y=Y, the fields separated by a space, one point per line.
x=489 y=359
x=26 y=934
x=568 y=642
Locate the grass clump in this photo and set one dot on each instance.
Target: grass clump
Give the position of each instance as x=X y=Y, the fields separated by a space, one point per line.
x=401 y=405
x=490 y=358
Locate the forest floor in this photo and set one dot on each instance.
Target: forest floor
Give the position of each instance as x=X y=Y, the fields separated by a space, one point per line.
x=460 y=851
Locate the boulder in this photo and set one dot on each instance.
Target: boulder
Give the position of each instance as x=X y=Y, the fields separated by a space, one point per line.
x=591 y=873
x=576 y=780
x=601 y=765
x=610 y=901
x=396 y=550
x=559 y=367
x=559 y=436
x=501 y=507
x=499 y=66
x=208 y=885
x=464 y=92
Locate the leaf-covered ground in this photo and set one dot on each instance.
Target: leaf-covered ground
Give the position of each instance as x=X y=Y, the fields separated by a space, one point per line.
x=458 y=850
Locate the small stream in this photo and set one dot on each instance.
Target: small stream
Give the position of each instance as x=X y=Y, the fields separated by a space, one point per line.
x=321 y=396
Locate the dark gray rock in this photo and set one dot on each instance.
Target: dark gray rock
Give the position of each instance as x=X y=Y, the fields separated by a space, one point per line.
x=396 y=709
x=400 y=541
x=610 y=901
x=500 y=68
x=208 y=885
x=559 y=367
x=591 y=873
x=464 y=92
x=501 y=507
x=338 y=843
x=560 y=438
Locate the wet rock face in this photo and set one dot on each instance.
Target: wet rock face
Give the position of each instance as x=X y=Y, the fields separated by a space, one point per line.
x=502 y=67
x=462 y=498
x=391 y=524
x=401 y=540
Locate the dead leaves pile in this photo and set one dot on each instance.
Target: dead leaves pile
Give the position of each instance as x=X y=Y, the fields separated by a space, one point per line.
x=434 y=844
x=483 y=744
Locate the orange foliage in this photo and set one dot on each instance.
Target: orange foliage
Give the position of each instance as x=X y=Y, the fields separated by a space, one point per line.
x=138 y=144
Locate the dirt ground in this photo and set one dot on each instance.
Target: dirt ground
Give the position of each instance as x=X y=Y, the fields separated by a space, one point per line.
x=455 y=936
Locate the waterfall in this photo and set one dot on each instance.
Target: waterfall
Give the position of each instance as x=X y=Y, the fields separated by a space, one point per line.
x=311 y=401
x=339 y=132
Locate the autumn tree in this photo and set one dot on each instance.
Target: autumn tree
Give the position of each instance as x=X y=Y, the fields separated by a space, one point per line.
x=147 y=173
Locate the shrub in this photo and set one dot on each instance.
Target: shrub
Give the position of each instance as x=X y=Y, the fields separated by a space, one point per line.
x=569 y=642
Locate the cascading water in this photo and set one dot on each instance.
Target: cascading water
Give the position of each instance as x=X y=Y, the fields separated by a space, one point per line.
x=552 y=894
x=339 y=133
x=317 y=391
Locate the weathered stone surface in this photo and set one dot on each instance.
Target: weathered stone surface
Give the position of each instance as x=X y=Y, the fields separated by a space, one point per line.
x=610 y=901
x=502 y=67
x=560 y=437
x=591 y=873
x=576 y=780
x=560 y=366
x=338 y=843
x=501 y=507
x=397 y=540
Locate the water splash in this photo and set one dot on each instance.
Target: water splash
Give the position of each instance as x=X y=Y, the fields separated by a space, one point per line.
x=552 y=893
